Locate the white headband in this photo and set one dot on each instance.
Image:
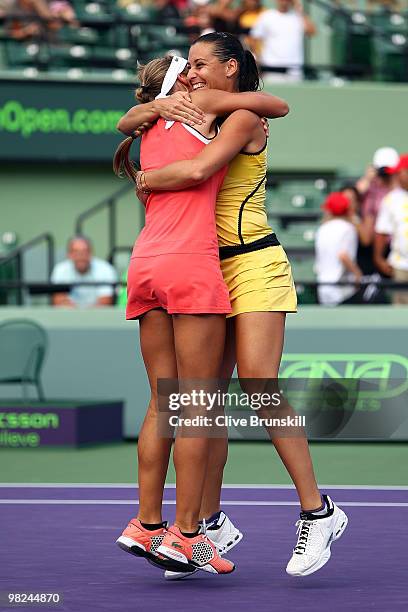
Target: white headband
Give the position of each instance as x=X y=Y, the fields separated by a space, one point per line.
x=176 y=67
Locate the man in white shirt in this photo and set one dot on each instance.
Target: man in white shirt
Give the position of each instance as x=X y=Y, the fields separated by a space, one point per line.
x=280 y=33
x=392 y=221
x=81 y=266
x=336 y=245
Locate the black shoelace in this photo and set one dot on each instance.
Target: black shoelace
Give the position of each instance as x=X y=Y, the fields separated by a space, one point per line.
x=304 y=529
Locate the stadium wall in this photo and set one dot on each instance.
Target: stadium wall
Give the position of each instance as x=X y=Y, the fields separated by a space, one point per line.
x=95 y=354
x=49 y=197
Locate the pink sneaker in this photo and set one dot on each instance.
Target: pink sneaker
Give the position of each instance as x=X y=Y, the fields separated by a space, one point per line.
x=139 y=541
x=142 y=542
x=198 y=552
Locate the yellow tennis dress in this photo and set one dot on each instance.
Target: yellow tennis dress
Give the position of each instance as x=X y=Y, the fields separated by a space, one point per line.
x=254 y=265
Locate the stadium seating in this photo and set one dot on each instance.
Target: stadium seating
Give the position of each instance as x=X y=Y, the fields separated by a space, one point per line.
x=23 y=345
x=110 y=36
x=370 y=44
x=295 y=196
x=351 y=43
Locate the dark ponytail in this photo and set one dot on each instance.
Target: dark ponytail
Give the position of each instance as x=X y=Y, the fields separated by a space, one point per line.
x=249 y=76
x=226 y=47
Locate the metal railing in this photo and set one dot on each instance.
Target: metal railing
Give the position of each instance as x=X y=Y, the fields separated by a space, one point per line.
x=17 y=255
x=110 y=203
x=39 y=287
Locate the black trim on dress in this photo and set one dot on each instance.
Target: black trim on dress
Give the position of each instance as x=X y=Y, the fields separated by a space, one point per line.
x=231 y=251
x=241 y=209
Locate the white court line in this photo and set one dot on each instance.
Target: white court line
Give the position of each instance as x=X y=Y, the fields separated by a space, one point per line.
x=127 y=485
x=172 y=502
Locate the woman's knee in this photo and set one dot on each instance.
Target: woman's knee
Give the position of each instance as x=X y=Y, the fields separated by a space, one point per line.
x=152 y=408
x=254 y=381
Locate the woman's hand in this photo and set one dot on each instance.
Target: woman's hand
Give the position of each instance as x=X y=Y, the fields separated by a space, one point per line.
x=141 y=196
x=142 y=129
x=265 y=126
x=179 y=107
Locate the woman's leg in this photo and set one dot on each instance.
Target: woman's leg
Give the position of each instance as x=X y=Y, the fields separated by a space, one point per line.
x=259 y=345
x=199 y=342
x=157 y=345
x=218 y=451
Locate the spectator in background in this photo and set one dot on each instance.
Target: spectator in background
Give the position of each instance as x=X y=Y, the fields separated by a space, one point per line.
x=199 y=18
x=64 y=13
x=353 y=195
x=227 y=16
x=277 y=39
x=81 y=266
x=205 y=22
x=250 y=12
x=373 y=187
x=23 y=24
x=336 y=251
x=364 y=255
x=371 y=293
x=36 y=18
x=392 y=221
x=377 y=181
x=223 y=14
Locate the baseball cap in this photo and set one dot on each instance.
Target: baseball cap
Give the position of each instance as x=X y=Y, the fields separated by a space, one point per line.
x=385 y=157
x=336 y=203
x=401 y=164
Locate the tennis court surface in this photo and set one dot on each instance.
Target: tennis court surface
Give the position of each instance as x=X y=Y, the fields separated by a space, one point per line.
x=59 y=538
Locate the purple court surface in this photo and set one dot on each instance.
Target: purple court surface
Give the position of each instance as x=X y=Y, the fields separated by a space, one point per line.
x=60 y=539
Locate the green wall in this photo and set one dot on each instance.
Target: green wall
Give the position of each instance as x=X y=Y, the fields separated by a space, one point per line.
x=48 y=197
x=94 y=354
x=337 y=127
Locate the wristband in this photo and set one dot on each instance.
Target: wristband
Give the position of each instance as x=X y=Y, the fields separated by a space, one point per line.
x=141 y=183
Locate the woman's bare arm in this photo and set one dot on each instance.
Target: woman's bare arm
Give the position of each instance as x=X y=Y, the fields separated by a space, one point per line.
x=221 y=103
x=175 y=108
x=237 y=131
x=190 y=108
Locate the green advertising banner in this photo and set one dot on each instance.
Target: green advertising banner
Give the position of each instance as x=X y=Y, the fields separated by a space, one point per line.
x=71 y=120
x=55 y=120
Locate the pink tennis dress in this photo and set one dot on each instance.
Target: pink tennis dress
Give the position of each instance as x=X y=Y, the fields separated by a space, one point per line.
x=175 y=263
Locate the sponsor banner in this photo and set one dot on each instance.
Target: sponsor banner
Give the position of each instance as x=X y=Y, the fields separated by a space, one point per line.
x=61 y=120
x=35 y=424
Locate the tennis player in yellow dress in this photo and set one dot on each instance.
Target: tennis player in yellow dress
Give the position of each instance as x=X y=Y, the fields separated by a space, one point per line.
x=259 y=278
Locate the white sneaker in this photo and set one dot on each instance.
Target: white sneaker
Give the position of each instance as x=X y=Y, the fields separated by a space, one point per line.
x=316 y=534
x=222 y=533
